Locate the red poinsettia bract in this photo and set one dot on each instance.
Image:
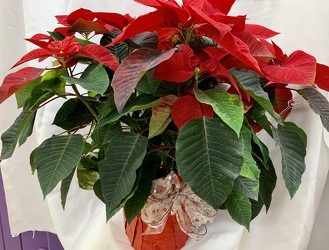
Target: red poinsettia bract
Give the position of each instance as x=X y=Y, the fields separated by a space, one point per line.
x=189 y=108
x=63 y=51
x=17 y=80
x=207 y=41
x=181 y=65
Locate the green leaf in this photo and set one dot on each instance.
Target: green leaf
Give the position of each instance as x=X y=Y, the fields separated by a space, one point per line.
x=117 y=170
x=23 y=94
x=160 y=119
x=53 y=82
x=89 y=163
x=27 y=128
x=227 y=106
x=267 y=182
x=318 y=103
x=135 y=204
x=56 y=35
x=209 y=157
x=87 y=147
x=293 y=149
x=38 y=96
x=263 y=154
x=98 y=190
x=65 y=187
x=166 y=88
x=250 y=82
x=267 y=177
x=73 y=114
x=141 y=106
x=119 y=50
x=105 y=108
x=55 y=159
x=18 y=132
x=86 y=177
x=112 y=212
x=94 y=78
x=104 y=135
x=140 y=101
x=247 y=187
x=256 y=208
x=249 y=168
x=148 y=84
x=32 y=157
x=239 y=207
x=290 y=126
x=258 y=114
x=84 y=43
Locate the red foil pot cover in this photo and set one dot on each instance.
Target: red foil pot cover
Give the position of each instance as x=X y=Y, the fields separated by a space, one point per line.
x=172 y=236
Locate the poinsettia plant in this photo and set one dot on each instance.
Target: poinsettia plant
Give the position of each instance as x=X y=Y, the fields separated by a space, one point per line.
x=184 y=88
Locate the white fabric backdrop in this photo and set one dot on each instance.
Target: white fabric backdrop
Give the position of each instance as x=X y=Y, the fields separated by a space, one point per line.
x=304 y=24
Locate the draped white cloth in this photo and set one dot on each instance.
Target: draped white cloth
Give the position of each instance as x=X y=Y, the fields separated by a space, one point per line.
x=289 y=224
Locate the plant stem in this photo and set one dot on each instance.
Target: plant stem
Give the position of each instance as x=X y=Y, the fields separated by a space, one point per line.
x=189 y=34
x=143 y=131
x=53 y=99
x=76 y=91
x=179 y=89
x=69 y=72
x=159 y=150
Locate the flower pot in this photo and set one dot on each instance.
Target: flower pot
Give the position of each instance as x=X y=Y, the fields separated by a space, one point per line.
x=171 y=235
x=171 y=214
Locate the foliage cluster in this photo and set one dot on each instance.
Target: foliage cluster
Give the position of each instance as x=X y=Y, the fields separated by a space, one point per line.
x=184 y=88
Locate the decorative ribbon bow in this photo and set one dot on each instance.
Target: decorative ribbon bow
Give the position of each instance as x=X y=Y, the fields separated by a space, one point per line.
x=170 y=195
